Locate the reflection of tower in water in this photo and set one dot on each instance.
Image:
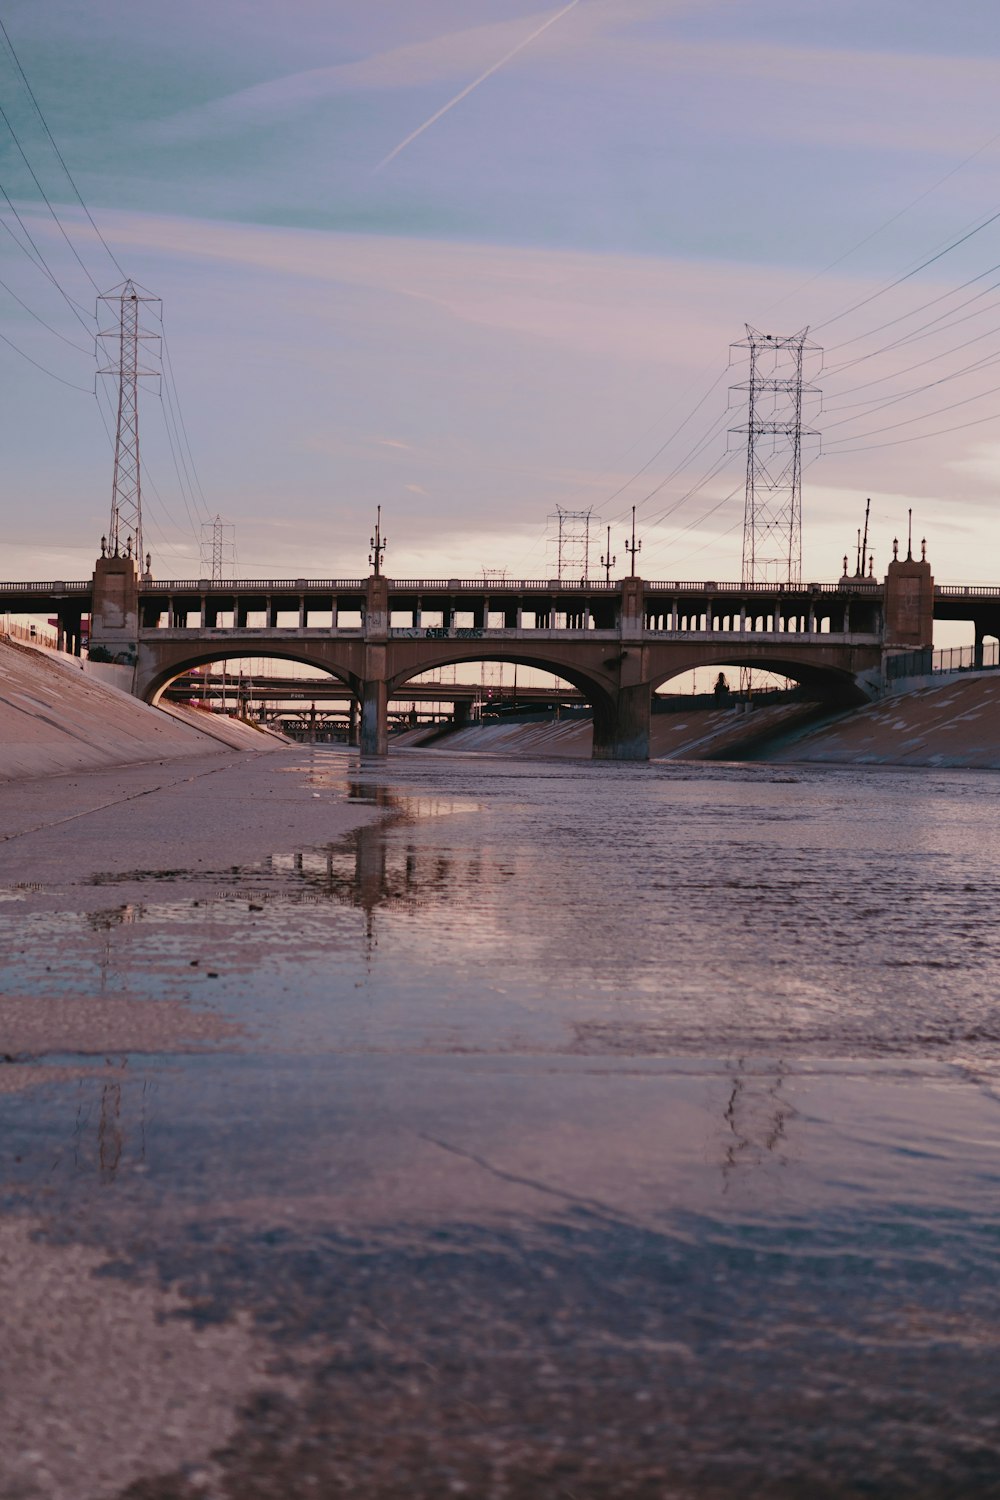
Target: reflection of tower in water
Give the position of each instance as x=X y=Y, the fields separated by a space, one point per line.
x=105 y=923
x=756 y=1117
x=102 y=1144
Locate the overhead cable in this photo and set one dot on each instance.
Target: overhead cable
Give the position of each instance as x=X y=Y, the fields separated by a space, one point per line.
x=908 y=275
x=38 y=260
x=35 y=179
x=52 y=142
x=86 y=389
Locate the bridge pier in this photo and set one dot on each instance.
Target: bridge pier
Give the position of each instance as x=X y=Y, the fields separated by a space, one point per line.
x=375 y=717
x=621 y=724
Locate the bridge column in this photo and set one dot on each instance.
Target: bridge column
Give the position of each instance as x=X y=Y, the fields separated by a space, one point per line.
x=909 y=605
x=622 y=720
x=375 y=718
x=114 y=621
x=375 y=687
x=621 y=727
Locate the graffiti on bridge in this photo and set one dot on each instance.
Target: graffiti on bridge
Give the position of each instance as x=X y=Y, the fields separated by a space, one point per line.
x=442 y=634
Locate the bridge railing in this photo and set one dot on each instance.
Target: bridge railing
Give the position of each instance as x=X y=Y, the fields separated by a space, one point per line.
x=58 y=587
x=927 y=662
x=972 y=590
x=493 y=586
x=237 y=585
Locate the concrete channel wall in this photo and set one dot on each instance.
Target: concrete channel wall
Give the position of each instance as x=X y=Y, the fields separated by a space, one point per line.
x=950 y=723
x=56 y=717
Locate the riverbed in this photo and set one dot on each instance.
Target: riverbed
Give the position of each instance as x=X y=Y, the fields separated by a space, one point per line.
x=466 y=1126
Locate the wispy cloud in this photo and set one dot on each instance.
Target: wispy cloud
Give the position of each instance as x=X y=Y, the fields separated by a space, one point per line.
x=439 y=59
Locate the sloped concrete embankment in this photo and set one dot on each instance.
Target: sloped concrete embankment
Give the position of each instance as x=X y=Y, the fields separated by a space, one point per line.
x=956 y=724
x=54 y=718
x=700 y=734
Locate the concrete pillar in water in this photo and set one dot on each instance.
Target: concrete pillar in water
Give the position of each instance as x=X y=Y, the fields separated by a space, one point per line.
x=375 y=688
x=621 y=721
x=621 y=728
x=374 y=718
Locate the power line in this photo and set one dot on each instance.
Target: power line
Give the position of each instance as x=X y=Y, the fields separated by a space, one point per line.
x=938 y=411
x=887 y=222
x=918 y=437
x=34 y=175
x=39 y=319
x=908 y=369
x=180 y=428
x=52 y=142
x=915 y=312
x=681 y=425
x=38 y=260
x=51 y=373
x=880 y=403
x=908 y=275
x=177 y=469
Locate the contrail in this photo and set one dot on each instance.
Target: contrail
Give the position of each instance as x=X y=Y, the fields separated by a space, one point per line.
x=473 y=85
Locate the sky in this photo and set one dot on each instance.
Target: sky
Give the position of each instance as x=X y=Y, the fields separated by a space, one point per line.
x=528 y=304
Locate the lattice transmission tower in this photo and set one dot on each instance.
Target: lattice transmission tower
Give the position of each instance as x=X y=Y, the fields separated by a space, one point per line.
x=218 y=550
x=776 y=391
x=130 y=350
x=569 y=536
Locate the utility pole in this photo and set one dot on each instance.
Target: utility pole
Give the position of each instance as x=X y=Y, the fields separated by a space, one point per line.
x=634 y=546
x=125 y=362
x=607 y=561
x=377 y=544
x=772 y=521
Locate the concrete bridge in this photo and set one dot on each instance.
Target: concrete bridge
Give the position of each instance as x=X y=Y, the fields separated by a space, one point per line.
x=615 y=642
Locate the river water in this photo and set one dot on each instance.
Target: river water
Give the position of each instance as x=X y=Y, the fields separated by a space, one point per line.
x=593 y=1130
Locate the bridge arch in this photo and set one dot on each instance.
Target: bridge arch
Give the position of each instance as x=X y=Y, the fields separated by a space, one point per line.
x=831 y=684
x=154 y=680
x=598 y=693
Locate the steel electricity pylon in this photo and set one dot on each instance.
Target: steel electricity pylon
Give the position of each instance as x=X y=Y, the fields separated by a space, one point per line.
x=218 y=549
x=128 y=347
x=776 y=390
x=569 y=536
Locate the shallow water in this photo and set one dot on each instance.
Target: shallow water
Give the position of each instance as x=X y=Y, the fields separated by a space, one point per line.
x=603 y=1128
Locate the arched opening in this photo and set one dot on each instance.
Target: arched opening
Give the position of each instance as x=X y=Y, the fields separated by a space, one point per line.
x=497 y=698
x=751 y=676
x=729 y=707
x=284 y=690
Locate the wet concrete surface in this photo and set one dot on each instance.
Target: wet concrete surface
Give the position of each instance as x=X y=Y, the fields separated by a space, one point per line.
x=512 y=1133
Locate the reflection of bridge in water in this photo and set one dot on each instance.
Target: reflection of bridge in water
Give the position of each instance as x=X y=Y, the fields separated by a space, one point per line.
x=615 y=643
